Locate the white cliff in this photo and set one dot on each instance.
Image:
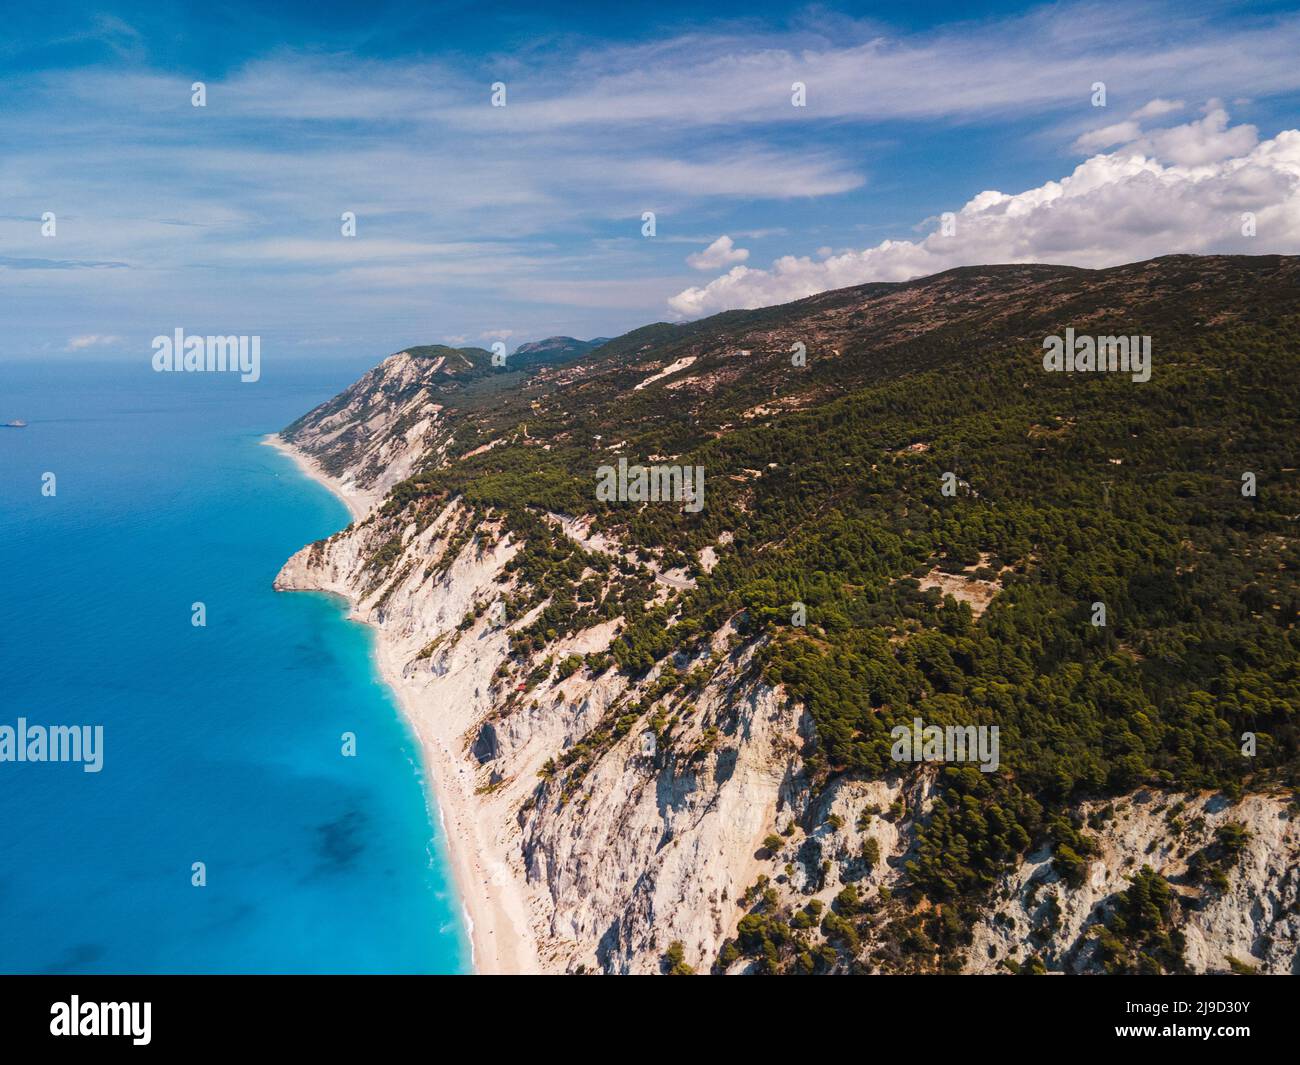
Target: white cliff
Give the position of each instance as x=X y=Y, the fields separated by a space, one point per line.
x=654 y=848
x=592 y=827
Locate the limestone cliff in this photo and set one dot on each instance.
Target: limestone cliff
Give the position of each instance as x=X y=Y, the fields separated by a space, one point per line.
x=660 y=843
x=604 y=689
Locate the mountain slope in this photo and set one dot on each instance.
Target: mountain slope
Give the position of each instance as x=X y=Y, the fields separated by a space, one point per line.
x=553 y=350
x=679 y=719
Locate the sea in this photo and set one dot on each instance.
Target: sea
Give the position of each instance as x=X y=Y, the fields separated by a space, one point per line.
x=260 y=805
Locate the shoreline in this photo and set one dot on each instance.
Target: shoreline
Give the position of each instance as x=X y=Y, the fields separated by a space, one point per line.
x=495 y=918
x=358 y=501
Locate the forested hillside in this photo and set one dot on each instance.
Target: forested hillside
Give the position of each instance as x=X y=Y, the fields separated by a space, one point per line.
x=828 y=431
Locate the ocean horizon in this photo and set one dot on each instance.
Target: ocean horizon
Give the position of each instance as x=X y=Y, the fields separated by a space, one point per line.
x=223 y=744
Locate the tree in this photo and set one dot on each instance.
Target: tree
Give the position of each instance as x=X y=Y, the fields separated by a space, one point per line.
x=674 y=961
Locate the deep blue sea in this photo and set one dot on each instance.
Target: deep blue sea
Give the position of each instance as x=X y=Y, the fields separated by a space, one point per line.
x=222 y=744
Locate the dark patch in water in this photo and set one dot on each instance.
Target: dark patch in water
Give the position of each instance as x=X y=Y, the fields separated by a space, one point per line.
x=78 y=957
x=236 y=914
x=340 y=842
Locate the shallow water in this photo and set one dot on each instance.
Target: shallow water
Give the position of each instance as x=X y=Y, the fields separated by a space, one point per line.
x=222 y=744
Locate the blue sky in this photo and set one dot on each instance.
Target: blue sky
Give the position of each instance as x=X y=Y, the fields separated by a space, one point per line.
x=475 y=222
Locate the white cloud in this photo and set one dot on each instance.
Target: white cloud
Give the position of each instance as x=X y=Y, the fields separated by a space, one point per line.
x=1128 y=131
x=1208 y=140
x=856 y=71
x=722 y=252
x=91 y=340
x=339 y=249
x=1182 y=189
x=757 y=173
x=526 y=208
x=1119 y=133
x=1157 y=108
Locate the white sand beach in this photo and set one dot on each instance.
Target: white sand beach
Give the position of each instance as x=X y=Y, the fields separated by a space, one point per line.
x=494 y=907
x=358 y=501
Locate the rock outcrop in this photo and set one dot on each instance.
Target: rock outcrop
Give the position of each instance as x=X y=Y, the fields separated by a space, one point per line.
x=658 y=845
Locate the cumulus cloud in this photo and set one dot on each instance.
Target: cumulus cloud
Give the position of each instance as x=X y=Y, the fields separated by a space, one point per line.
x=722 y=252
x=1208 y=140
x=1181 y=189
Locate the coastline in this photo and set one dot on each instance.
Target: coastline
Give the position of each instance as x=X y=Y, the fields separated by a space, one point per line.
x=358 y=501
x=493 y=909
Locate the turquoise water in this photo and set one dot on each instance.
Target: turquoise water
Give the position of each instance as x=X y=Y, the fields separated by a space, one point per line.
x=222 y=744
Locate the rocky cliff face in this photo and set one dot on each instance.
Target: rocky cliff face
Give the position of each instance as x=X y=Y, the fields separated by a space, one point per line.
x=680 y=809
x=373 y=434
x=1252 y=919
x=660 y=843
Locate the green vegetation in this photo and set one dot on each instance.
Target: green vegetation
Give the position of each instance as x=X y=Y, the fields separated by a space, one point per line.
x=1211 y=864
x=674 y=962
x=1076 y=489
x=1139 y=936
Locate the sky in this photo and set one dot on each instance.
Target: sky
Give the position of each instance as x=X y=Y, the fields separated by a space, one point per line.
x=927 y=136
